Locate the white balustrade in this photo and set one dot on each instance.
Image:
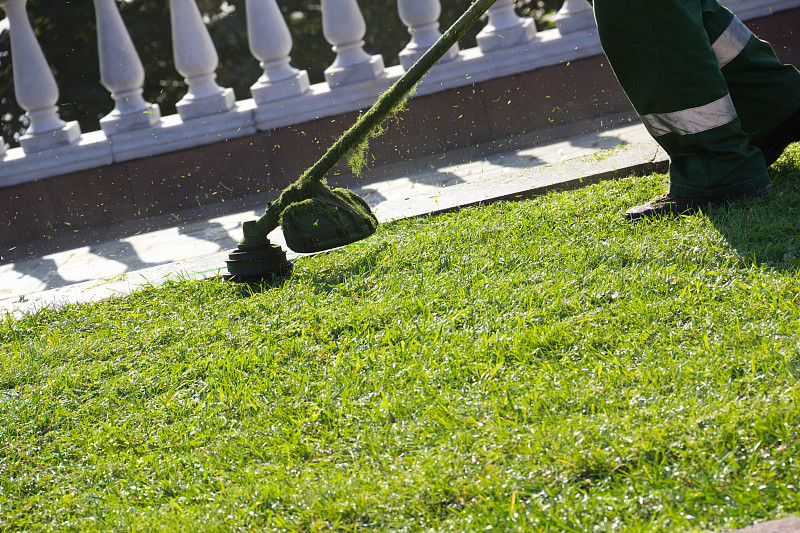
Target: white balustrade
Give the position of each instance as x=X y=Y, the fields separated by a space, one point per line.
x=196 y=60
x=505 y=29
x=344 y=28
x=421 y=17
x=34 y=85
x=282 y=96
x=122 y=73
x=575 y=15
x=271 y=43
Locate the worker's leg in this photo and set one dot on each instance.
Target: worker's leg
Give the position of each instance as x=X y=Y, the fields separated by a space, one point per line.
x=663 y=58
x=764 y=91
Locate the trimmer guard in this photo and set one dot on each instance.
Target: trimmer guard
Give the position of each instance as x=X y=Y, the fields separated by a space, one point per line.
x=328 y=220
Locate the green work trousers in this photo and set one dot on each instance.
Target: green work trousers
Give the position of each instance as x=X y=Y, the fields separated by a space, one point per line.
x=704 y=86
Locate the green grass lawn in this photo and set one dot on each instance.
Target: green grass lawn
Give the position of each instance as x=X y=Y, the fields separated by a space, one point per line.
x=528 y=366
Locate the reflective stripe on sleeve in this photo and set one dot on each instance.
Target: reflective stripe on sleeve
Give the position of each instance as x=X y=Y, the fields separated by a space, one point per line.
x=732 y=41
x=690 y=121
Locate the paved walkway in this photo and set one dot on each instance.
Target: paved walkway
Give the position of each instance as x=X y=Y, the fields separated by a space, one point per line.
x=429 y=185
x=785 y=525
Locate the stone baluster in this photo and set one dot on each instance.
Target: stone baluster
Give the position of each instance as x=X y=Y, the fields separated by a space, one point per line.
x=344 y=28
x=422 y=19
x=34 y=85
x=122 y=73
x=271 y=42
x=505 y=29
x=575 y=15
x=196 y=60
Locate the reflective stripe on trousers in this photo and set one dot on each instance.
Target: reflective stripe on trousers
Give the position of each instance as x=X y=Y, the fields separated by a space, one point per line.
x=732 y=41
x=691 y=121
x=712 y=115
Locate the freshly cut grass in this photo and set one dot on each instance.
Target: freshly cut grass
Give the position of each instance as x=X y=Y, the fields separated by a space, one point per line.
x=521 y=366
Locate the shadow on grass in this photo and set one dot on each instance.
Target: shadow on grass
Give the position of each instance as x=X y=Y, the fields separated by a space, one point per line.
x=766 y=231
x=322 y=280
x=249 y=288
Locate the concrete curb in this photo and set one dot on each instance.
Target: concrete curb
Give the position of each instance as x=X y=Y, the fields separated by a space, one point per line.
x=628 y=160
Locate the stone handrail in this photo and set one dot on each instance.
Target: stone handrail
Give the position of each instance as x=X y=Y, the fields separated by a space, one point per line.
x=282 y=96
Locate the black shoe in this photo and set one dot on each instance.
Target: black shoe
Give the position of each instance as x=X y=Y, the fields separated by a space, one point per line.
x=777 y=141
x=670 y=204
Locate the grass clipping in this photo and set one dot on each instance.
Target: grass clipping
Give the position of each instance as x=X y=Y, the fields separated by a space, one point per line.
x=357 y=154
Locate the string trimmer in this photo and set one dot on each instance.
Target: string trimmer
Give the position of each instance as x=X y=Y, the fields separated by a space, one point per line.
x=313 y=216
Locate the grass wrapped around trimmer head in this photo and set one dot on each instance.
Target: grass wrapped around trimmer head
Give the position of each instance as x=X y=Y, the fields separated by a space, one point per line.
x=328 y=219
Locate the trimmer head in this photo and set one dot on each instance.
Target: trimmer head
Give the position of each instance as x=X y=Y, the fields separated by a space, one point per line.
x=250 y=264
x=329 y=219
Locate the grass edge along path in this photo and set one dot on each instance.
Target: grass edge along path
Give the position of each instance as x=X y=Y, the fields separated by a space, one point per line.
x=526 y=366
